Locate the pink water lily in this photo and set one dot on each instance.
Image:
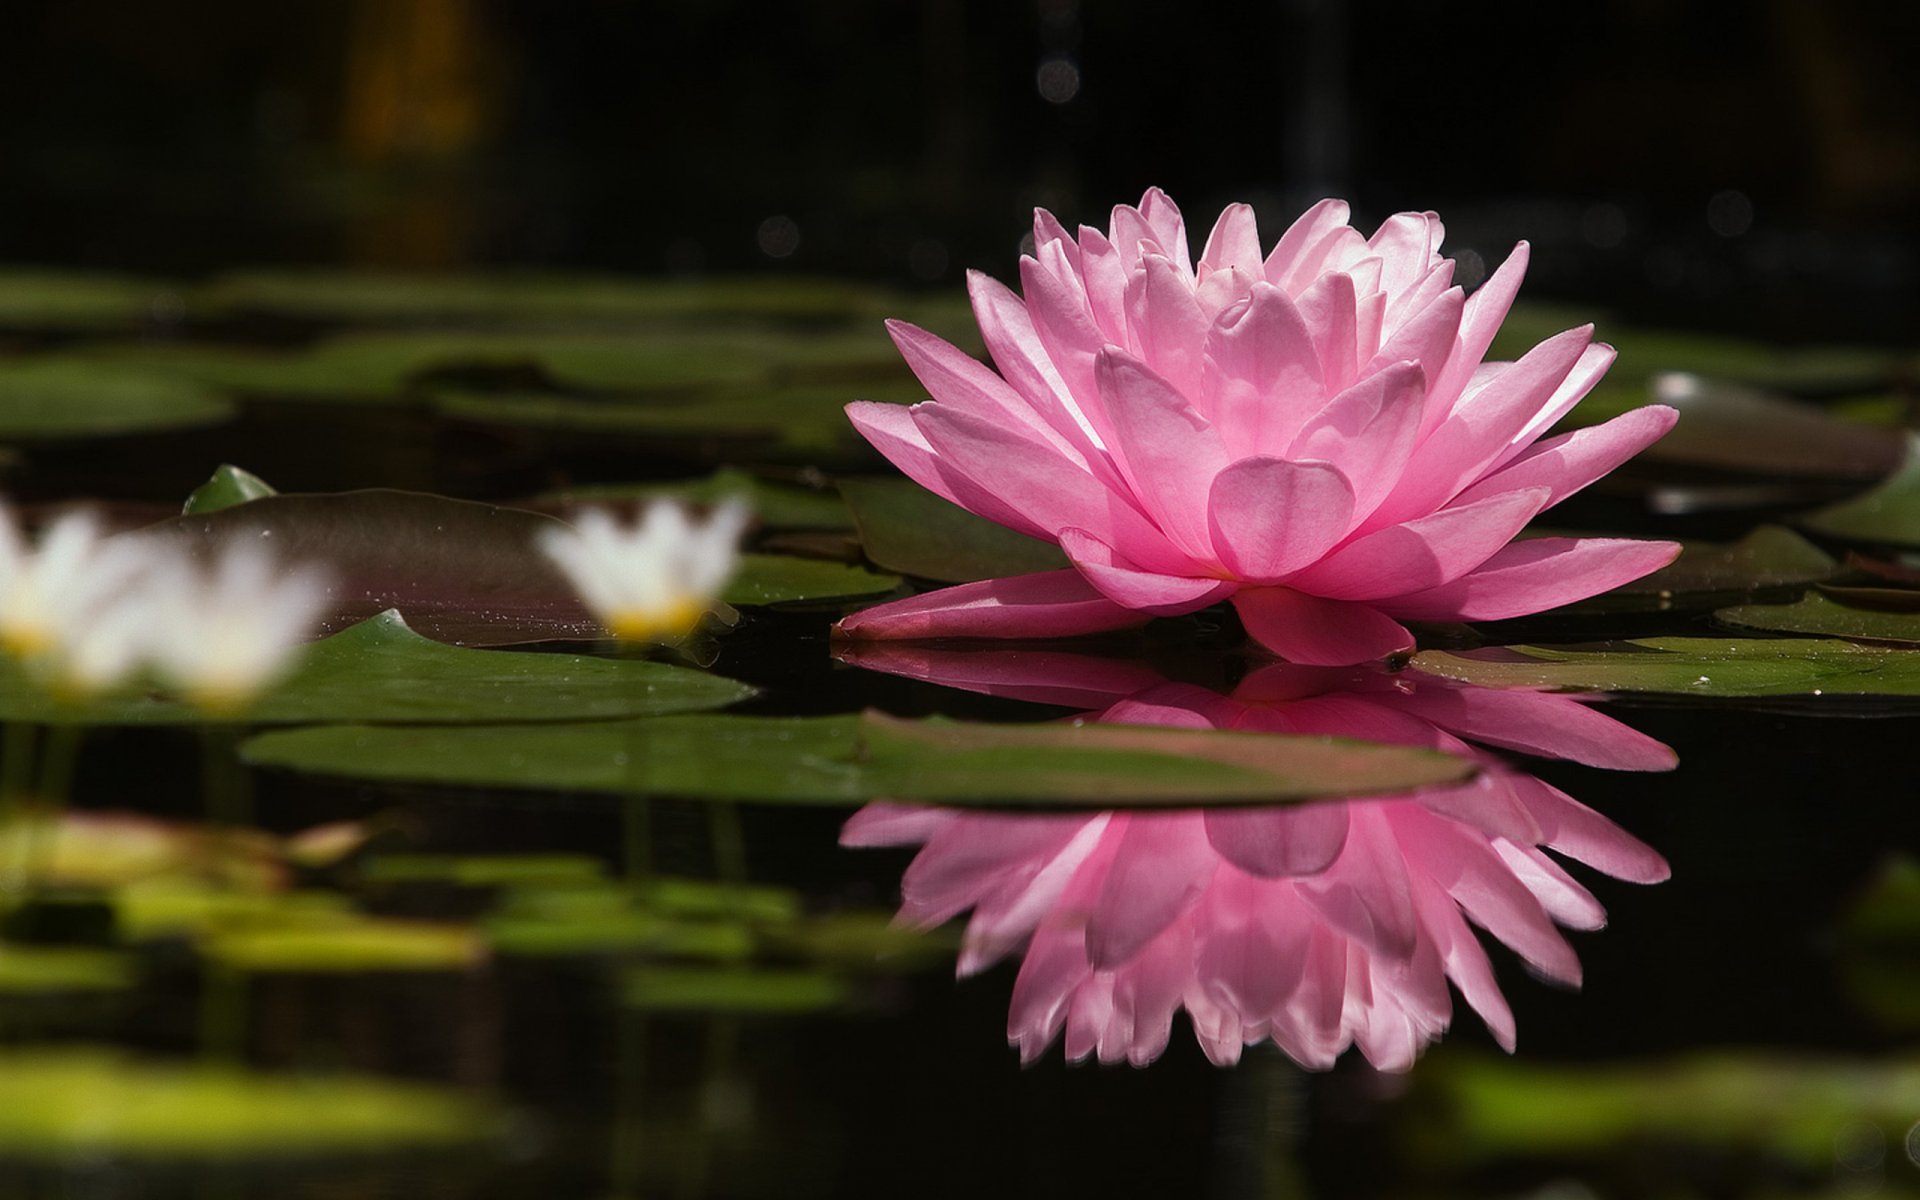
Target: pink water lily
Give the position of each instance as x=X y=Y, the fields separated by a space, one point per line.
x=1310 y=432
x=1318 y=926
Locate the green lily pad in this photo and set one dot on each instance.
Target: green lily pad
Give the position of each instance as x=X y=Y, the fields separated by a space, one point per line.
x=1786 y=1106
x=32 y=299
x=62 y=970
x=1889 y=513
x=1730 y=427
x=484 y=871
x=68 y=1103
x=380 y=670
x=782 y=579
x=790 y=421
x=371 y=297
x=612 y=372
x=904 y=527
x=1816 y=613
x=166 y=908
x=67 y=398
x=344 y=942
x=849 y=760
x=1691 y=667
x=611 y=919
x=756 y=992
x=229 y=486
x=1709 y=574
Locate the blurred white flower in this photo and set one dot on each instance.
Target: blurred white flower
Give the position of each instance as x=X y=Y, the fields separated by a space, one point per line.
x=53 y=589
x=655 y=581
x=221 y=633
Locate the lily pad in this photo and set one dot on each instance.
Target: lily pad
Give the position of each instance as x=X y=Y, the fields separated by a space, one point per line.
x=32 y=299
x=1730 y=427
x=758 y=991
x=1792 y=1106
x=344 y=943
x=610 y=919
x=1684 y=666
x=484 y=870
x=849 y=760
x=471 y=574
x=1708 y=574
x=1889 y=513
x=790 y=421
x=1817 y=613
x=68 y=398
x=62 y=970
x=782 y=579
x=380 y=670
x=908 y=529
x=374 y=297
x=59 y=1104
x=229 y=486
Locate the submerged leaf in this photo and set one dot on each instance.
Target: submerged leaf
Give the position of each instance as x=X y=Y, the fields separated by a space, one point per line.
x=1708 y=574
x=849 y=760
x=1691 y=667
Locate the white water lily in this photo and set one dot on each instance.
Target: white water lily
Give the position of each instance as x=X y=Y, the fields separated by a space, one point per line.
x=223 y=632
x=54 y=587
x=656 y=580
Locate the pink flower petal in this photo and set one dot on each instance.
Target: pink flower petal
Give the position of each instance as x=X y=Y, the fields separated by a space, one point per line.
x=1161 y=864
x=1368 y=432
x=1544 y=723
x=1479 y=322
x=985 y=462
x=1040 y=676
x=1465 y=960
x=1302 y=253
x=1533 y=576
x=1234 y=242
x=1260 y=380
x=1021 y=357
x=1049 y=604
x=1573 y=460
x=1271 y=516
x=1481 y=427
x=1406 y=243
x=955 y=378
x=1578 y=832
x=1426 y=337
x=1169 y=452
x=1169 y=229
x=1422 y=553
x=1105 y=274
x=1274 y=843
x=894 y=432
x=1328 y=633
x=1125 y=583
x=1329 y=308
x=1168 y=325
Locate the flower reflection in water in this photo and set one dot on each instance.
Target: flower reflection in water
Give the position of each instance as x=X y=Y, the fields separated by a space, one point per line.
x=1318 y=926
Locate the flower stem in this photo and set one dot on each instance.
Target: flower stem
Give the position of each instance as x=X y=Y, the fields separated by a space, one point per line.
x=224 y=781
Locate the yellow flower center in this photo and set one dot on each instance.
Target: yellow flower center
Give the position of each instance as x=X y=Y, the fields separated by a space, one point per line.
x=663 y=623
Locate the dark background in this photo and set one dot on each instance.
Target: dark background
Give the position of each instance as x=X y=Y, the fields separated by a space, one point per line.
x=1751 y=166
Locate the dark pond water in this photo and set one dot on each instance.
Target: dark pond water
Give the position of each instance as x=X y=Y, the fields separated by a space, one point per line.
x=524 y=931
